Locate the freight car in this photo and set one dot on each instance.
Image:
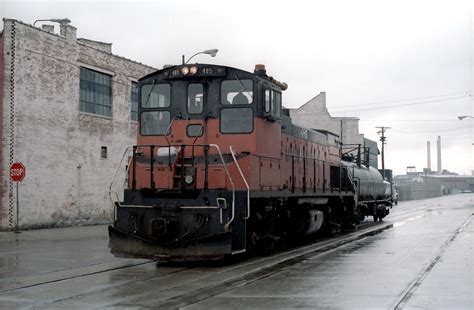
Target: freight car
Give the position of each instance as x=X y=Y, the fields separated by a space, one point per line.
x=220 y=169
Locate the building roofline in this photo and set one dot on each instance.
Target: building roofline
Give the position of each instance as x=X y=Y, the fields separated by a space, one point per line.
x=80 y=43
x=86 y=39
x=345 y=117
x=322 y=92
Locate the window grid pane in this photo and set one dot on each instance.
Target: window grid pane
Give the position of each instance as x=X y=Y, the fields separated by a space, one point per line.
x=95 y=92
x=134 y=102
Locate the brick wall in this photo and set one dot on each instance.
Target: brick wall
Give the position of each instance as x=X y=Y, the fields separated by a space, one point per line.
x=2 y=187
x=66 y=180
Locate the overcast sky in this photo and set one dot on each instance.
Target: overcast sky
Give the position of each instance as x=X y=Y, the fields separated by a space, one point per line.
x=368 y=56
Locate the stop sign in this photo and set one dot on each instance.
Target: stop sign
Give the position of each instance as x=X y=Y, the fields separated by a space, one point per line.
x=17 y=172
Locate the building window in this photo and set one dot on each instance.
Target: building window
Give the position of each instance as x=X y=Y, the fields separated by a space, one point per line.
x=96 y=92
x=103 y=152
x=134 y=100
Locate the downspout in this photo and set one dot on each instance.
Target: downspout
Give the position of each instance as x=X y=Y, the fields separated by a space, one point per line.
x=11 y=200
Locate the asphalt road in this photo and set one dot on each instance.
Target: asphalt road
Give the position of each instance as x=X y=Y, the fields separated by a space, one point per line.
x=421 y=256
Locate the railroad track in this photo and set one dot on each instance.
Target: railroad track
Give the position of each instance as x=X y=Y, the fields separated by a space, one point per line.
x=177 y=286
x=418 y=279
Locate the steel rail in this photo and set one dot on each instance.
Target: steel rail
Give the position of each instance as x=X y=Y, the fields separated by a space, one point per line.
x=403 y=299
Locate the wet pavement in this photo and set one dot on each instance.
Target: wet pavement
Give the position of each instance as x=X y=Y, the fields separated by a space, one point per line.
x=426 y=260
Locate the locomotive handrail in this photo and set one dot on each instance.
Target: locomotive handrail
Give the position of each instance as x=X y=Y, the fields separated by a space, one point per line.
x=113 y=181
x=168 y=130
x=351 y=178
x=180 y=145
x=226 y=226
x=245 y=181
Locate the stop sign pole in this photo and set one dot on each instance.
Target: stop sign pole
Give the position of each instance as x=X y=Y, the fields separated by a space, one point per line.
x=17 y=174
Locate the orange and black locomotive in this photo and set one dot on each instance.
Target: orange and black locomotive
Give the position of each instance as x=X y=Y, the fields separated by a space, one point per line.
x=219 y=169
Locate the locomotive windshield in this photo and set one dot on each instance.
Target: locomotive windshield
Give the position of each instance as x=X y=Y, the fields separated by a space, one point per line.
x=156 y=95
x=230 y=99
x=236 y=92
x=155 y=122
x=236 y=120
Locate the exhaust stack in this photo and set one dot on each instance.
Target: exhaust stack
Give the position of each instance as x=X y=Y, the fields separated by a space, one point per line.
x=428 y=153
x=440 y=169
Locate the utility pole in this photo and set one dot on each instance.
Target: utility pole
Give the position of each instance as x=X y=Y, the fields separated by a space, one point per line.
x=381 y=132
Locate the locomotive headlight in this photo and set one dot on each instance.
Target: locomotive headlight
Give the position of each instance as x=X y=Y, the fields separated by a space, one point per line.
x=184 y=70
x=193 y=70
x=189 y=179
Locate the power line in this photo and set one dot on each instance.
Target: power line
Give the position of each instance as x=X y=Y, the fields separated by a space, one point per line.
x=401 y=100
x=431 y=131
x=400 y=105
x=410 y=120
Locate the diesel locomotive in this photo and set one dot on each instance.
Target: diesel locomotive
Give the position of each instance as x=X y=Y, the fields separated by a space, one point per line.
x=220 y=169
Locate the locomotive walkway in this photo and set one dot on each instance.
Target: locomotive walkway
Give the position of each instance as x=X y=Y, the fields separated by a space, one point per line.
x=421 y=256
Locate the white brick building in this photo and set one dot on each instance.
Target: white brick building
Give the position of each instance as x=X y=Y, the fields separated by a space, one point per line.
x=66 y=113
x=314 y=114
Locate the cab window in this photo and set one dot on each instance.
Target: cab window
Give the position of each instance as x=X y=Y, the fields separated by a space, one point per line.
x=276 y=104
x=267 y=101
x=156 y=95
x=272 y=104
x=236 y=120
x=154 y=123
x=236 y=92
x=195 y=98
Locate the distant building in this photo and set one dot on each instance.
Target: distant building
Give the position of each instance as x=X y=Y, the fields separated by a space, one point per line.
x=68 y=110
x=412 y=187
x=451 y=183
x=428 y=183
x=314 y=114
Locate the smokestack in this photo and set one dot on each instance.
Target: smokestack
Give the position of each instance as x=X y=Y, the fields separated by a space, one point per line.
x=428 y=152
x=440 y=169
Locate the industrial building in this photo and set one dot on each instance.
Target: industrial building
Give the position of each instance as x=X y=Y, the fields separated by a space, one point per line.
x=314 y=114
x=68 y=111
x=432 y=183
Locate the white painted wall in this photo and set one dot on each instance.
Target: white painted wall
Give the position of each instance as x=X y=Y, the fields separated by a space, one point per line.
x=314 y=114
x=67 y=181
